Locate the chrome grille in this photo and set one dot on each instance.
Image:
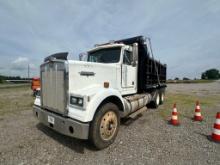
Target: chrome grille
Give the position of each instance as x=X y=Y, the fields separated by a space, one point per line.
x=53 y=86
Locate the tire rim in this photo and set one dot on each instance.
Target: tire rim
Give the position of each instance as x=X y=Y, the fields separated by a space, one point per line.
x=158 y=100
x=108 y=125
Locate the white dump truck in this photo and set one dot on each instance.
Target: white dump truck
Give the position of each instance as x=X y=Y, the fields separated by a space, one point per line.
x=86 y=99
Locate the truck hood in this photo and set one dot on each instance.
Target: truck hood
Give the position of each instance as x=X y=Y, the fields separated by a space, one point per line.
x=84 y=76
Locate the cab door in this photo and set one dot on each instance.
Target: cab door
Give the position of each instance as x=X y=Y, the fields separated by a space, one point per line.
x=129 y=72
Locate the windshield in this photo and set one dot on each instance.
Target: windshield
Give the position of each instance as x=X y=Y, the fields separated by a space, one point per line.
x=107 y=55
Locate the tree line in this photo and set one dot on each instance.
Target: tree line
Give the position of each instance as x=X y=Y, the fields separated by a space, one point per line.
x=211 y=74
x=3 y=78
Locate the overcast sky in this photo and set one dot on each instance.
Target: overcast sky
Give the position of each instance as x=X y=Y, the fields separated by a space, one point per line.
x=185 y=34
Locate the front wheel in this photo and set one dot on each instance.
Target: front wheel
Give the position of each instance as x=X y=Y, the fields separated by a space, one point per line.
x=105 y=126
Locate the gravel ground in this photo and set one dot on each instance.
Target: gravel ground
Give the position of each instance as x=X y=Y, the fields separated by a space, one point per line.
x=146 y=140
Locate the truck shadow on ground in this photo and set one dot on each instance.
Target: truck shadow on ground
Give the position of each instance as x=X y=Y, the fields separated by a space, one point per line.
x=128 y=121
x=75 y=144
x=140 y=118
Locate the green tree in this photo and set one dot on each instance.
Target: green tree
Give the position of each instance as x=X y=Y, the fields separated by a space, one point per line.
x=185 y=78
x=1 y=79
x=211 y=74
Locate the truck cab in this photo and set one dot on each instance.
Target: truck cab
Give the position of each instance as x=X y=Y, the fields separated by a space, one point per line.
x=86 y=99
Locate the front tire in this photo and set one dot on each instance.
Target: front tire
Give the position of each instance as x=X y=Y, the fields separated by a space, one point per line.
x=105 y=126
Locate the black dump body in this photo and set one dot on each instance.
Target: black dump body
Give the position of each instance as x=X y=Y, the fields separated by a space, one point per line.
x=147 y=72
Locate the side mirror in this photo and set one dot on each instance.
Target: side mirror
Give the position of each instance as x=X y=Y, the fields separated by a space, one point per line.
x=83 y=56
x=133 y=63
x=135 y=54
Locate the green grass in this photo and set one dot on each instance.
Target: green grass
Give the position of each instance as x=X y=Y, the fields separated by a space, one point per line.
x=19 y=98
x=186 y=104
x=14 y=100
x=11 y=85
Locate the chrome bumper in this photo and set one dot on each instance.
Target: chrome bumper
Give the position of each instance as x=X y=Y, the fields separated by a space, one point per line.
x=62 y=124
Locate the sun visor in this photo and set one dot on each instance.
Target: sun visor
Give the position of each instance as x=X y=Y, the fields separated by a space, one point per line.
x=60 y=56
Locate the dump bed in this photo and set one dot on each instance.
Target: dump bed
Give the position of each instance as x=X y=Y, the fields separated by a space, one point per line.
x=151 y=73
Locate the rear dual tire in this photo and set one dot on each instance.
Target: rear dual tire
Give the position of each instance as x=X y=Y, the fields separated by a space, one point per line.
x=162 y=95
x=158 y=99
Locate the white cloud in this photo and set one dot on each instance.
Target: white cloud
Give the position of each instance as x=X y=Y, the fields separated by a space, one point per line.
x=178 y=30
x=22 y=63
x=20 y=60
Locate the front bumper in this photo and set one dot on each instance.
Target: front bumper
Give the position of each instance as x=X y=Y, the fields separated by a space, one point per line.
x=62 y=124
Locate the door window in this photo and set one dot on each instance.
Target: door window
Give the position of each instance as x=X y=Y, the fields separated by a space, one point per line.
x=127 y=59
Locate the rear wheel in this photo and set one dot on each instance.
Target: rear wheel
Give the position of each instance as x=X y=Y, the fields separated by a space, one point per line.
x=105 y=126
x=162 y=98
x=156 y=101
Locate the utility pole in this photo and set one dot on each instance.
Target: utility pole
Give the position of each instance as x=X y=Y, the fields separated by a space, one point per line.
x=28 y=71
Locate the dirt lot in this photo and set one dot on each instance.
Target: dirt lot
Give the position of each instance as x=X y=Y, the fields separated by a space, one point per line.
x=146 y=140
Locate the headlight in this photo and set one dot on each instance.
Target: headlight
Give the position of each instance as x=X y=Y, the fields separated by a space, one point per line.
x=76 y=101
x=73 y=100
x=80 y=101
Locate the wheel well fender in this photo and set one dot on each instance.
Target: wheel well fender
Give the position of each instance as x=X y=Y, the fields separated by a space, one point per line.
x=115 y=100
x=103 y=97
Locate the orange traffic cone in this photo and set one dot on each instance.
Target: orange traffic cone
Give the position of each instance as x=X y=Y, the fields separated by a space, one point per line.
x=174 y=119
x=197 y=116
x=216 y=129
